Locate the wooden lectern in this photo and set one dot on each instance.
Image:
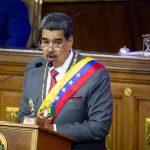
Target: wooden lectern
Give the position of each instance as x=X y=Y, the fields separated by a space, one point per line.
x=33 y=137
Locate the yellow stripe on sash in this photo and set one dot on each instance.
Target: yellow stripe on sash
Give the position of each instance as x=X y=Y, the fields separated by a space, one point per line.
x=69 y=74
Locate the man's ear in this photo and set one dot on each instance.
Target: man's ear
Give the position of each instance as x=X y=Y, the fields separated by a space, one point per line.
x=70 y=42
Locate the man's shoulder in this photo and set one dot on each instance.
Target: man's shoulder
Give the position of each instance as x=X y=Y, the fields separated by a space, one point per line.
x=82 y=56
x=36 y=60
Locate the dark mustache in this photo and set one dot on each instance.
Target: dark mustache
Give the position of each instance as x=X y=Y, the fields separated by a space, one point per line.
x=51 y=54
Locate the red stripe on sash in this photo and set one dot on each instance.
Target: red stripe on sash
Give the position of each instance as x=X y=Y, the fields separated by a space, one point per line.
x=75 y=87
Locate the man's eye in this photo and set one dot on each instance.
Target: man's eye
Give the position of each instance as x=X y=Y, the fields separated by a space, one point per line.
x=57 y=42
x=44 y=41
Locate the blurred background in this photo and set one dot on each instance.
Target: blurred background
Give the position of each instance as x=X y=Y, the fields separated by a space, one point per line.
x=99 y=25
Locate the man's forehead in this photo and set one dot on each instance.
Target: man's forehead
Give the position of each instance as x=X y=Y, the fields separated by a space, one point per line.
x=55 y=34
x=47 y=31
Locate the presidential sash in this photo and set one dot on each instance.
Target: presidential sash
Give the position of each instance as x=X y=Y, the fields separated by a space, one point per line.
x=67 y=86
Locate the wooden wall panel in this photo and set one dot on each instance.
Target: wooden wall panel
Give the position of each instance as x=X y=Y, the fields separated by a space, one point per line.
x=116 y=126
x=9 y=101
x=144 y=112
x=106 y=26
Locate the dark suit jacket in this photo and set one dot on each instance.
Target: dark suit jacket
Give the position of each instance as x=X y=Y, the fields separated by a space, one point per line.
x=14 y=24
x=87 y=115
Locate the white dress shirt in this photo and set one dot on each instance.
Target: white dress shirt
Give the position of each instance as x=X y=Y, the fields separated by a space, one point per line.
x=61 y=71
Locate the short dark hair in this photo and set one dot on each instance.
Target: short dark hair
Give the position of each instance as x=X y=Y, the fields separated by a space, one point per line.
x=58 y=21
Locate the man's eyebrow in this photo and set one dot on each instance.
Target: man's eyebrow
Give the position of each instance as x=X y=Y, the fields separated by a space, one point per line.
x=43 y=38
x=57 y=39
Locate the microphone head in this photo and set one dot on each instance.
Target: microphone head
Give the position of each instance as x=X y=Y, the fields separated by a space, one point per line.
x=50 y=64
x=39 y=64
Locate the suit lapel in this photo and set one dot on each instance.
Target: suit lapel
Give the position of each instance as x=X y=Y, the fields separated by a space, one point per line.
x=79 y=57
x=42 y=83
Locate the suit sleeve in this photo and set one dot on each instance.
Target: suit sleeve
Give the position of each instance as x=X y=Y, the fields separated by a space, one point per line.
x=18 y=25
x=24 y=109
x=99 y=106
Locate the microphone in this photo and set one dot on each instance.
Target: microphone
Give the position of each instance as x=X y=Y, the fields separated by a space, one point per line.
x=77 y=14
x=37 y=65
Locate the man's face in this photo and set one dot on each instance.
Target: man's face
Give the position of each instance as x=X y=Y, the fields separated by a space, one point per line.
x=56 y=48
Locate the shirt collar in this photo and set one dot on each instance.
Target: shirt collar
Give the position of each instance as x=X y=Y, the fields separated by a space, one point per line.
x=62 y=69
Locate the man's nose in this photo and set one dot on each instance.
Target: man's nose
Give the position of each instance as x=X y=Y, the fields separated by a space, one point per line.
x=50 y=47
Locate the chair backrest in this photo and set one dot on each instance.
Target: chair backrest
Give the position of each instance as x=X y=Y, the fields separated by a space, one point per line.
x=35 y=13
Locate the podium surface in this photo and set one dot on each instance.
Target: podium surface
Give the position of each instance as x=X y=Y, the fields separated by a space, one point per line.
x=32 y=137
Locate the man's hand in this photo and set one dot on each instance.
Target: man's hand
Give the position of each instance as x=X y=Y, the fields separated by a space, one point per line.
x=47 y=125
x=44 y=122
x=40 y=121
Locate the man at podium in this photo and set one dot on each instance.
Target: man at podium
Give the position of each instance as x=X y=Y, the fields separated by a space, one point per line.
x=67 y=92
